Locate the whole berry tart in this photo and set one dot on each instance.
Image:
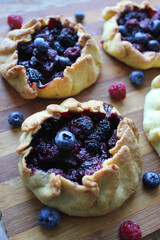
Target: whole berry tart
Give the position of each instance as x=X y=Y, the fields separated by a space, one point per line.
x=52 y=57
x=151 y=123
x=80 y=158
x=131 y=34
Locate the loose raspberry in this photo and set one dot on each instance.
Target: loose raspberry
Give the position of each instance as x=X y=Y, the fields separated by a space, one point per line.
x=15 y=21
x=129 y=231
x=118 y=90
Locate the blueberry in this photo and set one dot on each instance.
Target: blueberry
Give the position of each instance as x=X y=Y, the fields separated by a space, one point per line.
x=79 y=16
x=157 y=8
x=153 y=45
x=140 y=37
x=49 y=218
x=137 y=78
x=34 y=75
x=121 y=21
x=62 y=62
x=123 y=30
x=15 y=119
x=151 y=179
x=66 y=40
x=41 y=44
x=65 y=140
x=154 y=27
x=130 y=15
x=58 y=47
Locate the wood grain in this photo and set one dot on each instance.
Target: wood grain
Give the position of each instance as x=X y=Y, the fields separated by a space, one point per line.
x=19 y=206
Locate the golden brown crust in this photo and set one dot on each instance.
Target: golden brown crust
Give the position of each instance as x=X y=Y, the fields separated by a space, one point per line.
x=80 y=75
x=124 y=50
x=101 y=192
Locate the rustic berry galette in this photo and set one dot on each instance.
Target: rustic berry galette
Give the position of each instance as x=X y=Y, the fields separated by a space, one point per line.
x=151 y=123
x=81 y=158
x=132 y=34
x=50 y=58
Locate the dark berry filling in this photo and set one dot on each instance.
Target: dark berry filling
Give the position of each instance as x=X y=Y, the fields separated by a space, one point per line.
x=95 y=134
x=141 y=27
x=51 y=50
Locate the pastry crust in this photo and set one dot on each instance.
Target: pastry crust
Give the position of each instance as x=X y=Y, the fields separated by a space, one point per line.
x=124 y=50
x=80 y=75
x=101 y=192
x=151 y=123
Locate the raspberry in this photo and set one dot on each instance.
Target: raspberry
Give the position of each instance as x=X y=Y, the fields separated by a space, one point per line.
x=117 y=90
x=15 y=21
x=129 y=231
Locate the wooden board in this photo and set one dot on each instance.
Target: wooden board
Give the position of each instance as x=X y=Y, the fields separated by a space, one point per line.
x=19 y=206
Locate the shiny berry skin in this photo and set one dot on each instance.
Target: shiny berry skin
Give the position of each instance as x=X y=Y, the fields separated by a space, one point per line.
x=63 y=62
x=137 y=78
x=123 y=30
x=41 y=44
x=117 y=90
x=49 y=218
x=15 y=21
x=65 y=140
x=129 y=230
x=153 y=45
x=140 y=37
x=154 y=27
x=15 y=119
x=79 y=16
x=151 y=179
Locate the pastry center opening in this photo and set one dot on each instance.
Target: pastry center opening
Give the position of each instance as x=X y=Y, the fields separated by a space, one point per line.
x=51 y=50
x=141 y=27
x=92 y=135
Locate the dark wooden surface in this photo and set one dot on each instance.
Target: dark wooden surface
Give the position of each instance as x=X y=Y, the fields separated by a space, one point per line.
x=19 y=206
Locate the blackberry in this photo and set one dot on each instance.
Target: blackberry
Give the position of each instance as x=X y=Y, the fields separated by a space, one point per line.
x=103 y=129
x=25 y=50
x=82 y=126
x=93 y=143
x=34 y=75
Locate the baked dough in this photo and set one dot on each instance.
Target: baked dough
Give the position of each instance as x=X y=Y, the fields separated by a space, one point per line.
x=124 y=50
x=100 y=192
x=80 y=75
x=151 y=122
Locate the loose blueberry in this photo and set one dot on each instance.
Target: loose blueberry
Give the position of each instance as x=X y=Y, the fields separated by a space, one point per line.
x=153 y=45
x=154 y=27
x=137 y=78
x=49 y=218
x=15 y=119
x=41 y=44
x=123 y=30
x=140 y=37
x=151 y=179
x=65 y=140
x=79 y=16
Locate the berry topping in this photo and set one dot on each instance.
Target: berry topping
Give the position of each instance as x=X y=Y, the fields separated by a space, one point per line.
x=151 y=179
x=129 y=231
x=34 y=75
x=117 y=90
x=72 y=52
x=93 y=143
x=49 y=218
x=123 y=30
x=153 y=45
x=137 y=78
x=140 y=37
x=62 y=62
x=15 y=119
x=41 y=44
x=65 y=140
x=79 y=16
x=154 y=27
x=15 y=21
x=103 y=129
x=82 y=127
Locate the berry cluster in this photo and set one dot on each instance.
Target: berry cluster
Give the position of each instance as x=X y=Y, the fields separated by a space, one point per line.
x=50 y=51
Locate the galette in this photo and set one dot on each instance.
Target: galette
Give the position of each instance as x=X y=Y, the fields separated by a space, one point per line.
x=52 y=57
x=131 y=34
x=81 y=158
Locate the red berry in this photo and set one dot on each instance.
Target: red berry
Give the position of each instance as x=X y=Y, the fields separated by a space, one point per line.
x=15 y=21
x=129 y=231
x=117 y=90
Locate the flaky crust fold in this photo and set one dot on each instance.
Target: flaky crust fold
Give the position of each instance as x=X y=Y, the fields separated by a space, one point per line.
x=101 y=192
x=124 y=50
x=80 y=75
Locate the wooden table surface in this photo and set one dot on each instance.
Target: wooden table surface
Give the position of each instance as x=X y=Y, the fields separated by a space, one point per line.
x=18 y=204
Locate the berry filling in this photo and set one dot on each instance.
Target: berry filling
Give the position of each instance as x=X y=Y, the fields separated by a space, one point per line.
x=51 y=50
x=90 y=136
x=141 y=27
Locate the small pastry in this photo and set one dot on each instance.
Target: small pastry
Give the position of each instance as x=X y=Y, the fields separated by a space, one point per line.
x=131 y=34
x=80 y=158
x=52 y=57
x=151 y=123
